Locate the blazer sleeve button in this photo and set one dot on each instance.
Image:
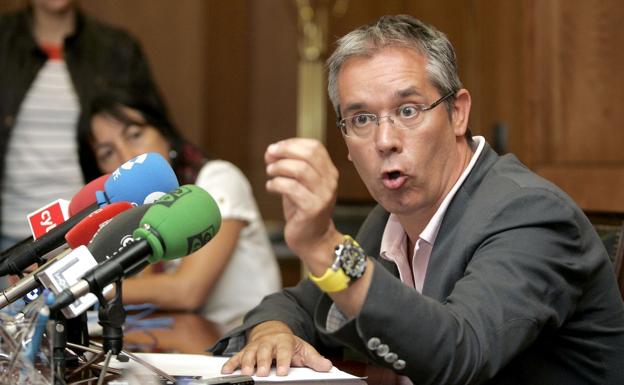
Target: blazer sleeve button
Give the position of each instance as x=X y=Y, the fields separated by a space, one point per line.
x=373 y=343
x=399 y=365
x=382 y=350
x=391 y=357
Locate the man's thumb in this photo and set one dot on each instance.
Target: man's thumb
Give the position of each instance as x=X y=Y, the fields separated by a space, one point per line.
x=314 y=360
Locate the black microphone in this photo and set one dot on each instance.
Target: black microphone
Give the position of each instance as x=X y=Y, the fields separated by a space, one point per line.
x=117 y=235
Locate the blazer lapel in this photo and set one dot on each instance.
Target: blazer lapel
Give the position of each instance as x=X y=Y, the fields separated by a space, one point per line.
x=441 y=264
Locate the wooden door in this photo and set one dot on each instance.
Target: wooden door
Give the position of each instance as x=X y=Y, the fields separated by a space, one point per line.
x=576 y=88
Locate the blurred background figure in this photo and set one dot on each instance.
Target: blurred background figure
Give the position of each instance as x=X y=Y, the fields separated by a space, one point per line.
x=230 y=274
x=53 y=59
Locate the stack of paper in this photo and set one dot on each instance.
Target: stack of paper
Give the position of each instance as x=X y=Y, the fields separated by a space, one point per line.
x=208 y=367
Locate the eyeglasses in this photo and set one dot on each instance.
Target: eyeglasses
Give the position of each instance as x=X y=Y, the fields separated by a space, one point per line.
x=406 y=116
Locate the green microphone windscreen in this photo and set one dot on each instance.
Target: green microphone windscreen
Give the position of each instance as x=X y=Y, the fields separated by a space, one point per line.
x=179 y=223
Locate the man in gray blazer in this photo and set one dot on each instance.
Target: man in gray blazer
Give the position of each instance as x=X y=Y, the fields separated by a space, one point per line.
x=472 y=269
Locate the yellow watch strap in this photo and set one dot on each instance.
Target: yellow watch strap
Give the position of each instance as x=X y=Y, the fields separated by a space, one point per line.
x=332 y=280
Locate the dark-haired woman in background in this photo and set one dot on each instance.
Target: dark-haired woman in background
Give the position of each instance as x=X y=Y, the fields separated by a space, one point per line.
x=232 y=272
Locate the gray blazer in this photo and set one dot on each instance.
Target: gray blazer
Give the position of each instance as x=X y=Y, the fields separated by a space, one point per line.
x=519 y=290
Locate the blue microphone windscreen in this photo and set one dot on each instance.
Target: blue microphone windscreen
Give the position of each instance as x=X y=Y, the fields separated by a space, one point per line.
x=137 y=180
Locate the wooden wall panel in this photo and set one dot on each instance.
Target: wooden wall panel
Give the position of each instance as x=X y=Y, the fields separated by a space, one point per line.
x=10 y=5
x=225 y=96
x=576 y=86
x=590 y=61
x=494 y=72
x=272 y=90
x=593 y=187
x=171 y=34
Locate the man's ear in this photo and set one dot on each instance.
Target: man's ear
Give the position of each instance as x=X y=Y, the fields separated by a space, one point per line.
x=461 y=112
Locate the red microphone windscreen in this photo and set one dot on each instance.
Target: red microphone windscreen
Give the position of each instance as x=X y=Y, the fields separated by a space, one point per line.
x=82 y=233
x=86 y=196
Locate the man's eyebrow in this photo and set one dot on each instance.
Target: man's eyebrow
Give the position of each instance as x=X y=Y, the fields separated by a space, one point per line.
x=406 y=92
x=354 y=107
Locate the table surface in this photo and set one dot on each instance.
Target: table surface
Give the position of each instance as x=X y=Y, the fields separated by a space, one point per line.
x=191 y=334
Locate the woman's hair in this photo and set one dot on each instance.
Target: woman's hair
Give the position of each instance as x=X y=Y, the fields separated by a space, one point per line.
x=186 y=159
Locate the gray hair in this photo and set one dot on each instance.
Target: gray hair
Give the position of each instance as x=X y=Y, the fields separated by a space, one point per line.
x=399 y=31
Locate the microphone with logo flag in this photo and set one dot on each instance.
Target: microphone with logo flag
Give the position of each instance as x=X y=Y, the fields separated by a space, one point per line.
x=53 y=214
x=48 y=217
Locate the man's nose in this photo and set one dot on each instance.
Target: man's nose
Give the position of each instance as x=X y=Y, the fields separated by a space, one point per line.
x=387 y=136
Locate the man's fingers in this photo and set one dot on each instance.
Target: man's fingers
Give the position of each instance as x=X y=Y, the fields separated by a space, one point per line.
x=282 y=185
x=231 y=365
x=309 y=150
x=264 y=359
x=308 y=356
x=283 y=355
x=248 y=360
x=314 y=195
x=300 y=148
x=297 y=169
x=317 y=362
x=310 y=203
x=287 y=350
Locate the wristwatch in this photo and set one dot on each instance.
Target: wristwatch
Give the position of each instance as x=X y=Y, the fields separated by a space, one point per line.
x=349 y=265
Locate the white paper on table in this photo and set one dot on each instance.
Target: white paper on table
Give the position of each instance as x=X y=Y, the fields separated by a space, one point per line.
x=210 y=366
